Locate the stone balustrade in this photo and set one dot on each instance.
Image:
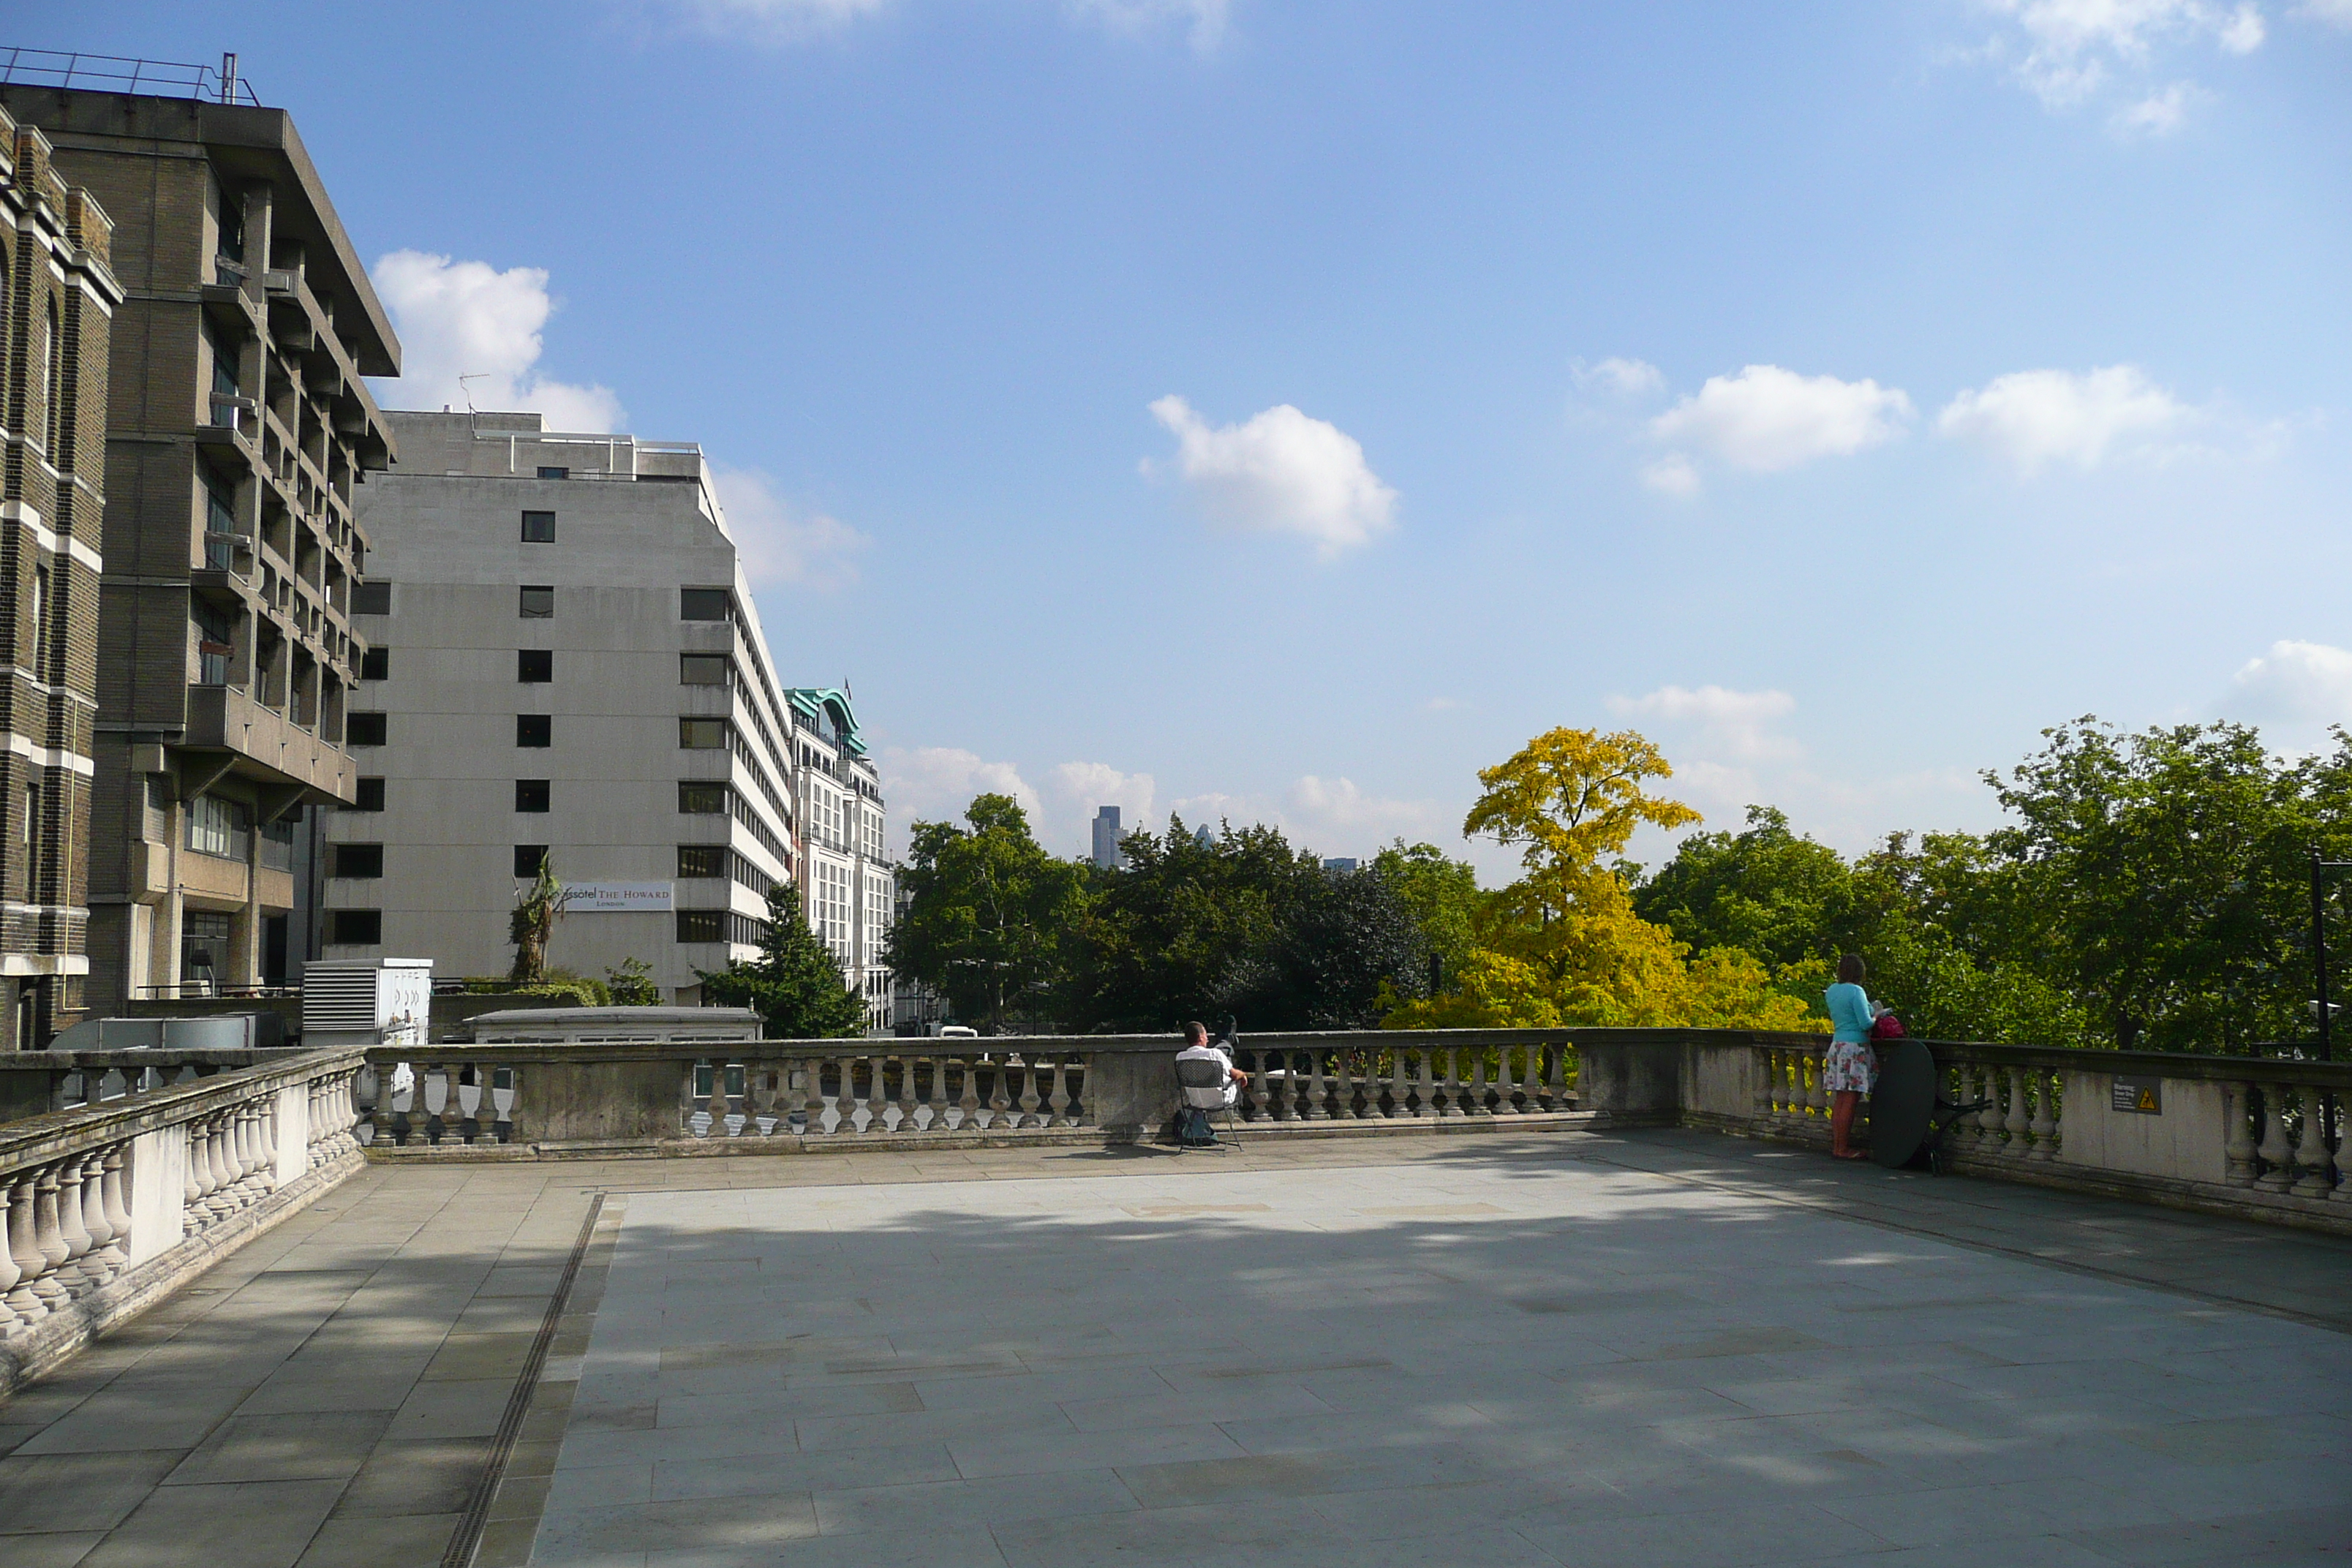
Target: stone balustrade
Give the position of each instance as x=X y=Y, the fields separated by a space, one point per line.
x=33 y=1082
x=109 y=1206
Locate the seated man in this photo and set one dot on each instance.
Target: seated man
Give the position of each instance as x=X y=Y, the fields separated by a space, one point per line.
x=1198 y=1048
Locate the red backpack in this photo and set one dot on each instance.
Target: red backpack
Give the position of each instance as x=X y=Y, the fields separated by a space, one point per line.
x=1887 y=1027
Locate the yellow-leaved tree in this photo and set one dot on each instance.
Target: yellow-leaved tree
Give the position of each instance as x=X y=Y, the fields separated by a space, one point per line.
x=1562 y=945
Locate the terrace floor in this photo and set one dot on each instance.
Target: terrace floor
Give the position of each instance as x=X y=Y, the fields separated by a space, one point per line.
x=1662 y=1348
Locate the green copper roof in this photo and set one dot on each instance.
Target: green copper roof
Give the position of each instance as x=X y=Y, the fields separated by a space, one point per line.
x=814 y=700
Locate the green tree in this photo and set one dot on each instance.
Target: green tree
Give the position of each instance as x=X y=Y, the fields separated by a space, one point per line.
x=632 y=984
x=795 y=984
x=1782 y=897
x=1442 y=894
x=988 y=913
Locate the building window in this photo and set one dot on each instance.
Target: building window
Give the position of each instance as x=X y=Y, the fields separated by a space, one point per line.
x=702 y=861
x=548 y=472
x=218 y=828
x=214 y=631
x=537 y=603
x=534 y=730
x=358 y=860
x=702 y=799
x=371 y=598
x=702 y=734
x=702 y=605
x=376 y=664
x=702 y=925
x=528 y=859
x=277 y=845
x=538 y=527
x=364 y=729
x=702 y=669
x=533 y=664
x=370 y=796
x=530 y=794
x=357 y=927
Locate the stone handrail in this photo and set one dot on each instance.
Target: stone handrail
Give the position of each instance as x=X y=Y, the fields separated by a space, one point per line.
x=110 y=1207
x=32 y=1082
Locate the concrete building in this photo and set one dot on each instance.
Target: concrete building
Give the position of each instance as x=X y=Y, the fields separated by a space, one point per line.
x=236 y=431
x=58 y=299
x=1107 y=856
x=848 y=883
x=564 y=660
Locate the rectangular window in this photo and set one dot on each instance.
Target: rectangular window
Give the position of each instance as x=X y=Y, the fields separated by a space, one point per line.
x=537 y=603
x=364 y=729
x=217 y=826
x=356 y=927
x=376 y=664
x=534 y=730
x=358 y=860
x=702 y=799
x=277 y=845
x=371 y=598
x=533 y=663
x=702 y=734
x=702 y=605
x=538 y=527
x=530 y=794
x=702 y=669
x=547 y=472
x=371 y=796
x=702 y=925
x=214 y=631
x=527 y=859
x=702 y=861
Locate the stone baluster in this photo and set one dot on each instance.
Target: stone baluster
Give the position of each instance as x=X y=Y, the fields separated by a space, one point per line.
x=1343 y=1088
x=220 y=1170
x=436 y=1100
x=194 y=1215
x=934 y=1109
x=1424 y=1092
x=968 y=1104
x=24 y=1302
x=97 y=1266
x=1261 y=1092
x=2018 y=1124
x=2278 y=1154
x=115 y=1200
x=469 y=1103
x=1028 y=1081
x=1784 y=1103
x=71 y=1276
x=1450 y=1095
x=1560 y=1095
x=2046 y=1128
x=2317 y=1179
x=1477 y=1105
x=2238 y=1139
x=1057 y=1103
x=1507 y=1088
x=877 y=1100
x=1990 y=1122
x=10 y=1274
x=1811 y=1066
x=49 y=1238
x=1000 y=1103
x=1310 y=1103
x=908 y=1085
x=485 y=1109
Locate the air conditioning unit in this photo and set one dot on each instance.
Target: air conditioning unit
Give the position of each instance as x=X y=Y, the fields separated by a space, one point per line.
x=366 y=1001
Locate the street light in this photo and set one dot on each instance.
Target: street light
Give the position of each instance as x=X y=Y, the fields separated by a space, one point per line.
x=2319 y=946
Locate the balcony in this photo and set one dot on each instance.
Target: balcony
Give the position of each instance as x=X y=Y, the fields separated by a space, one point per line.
x=268 y=745
x=1509 y=1297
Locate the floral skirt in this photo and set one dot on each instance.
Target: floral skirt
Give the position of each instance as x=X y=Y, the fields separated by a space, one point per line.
x=1850 y=1065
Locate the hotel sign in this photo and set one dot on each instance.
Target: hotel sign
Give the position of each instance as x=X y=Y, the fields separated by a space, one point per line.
x=620 y=898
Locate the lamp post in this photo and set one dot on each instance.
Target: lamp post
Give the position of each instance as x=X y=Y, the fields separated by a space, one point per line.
x=2319 y=869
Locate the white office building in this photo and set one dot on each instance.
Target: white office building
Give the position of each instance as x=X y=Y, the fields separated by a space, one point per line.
x=845 y=874
x=564 y=660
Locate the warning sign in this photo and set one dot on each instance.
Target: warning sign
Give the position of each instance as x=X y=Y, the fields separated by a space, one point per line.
x=2141 y=1096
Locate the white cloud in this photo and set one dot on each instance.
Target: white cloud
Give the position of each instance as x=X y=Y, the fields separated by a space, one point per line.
x=1204 y=19
x=2160 y=113
x=1625 y=378
x=1767 y=419
x=2036 y=417
x=934 y=783
x=2071 y=48
x=1344 y=819
x=783 y=545
x=2297 y=682
x=466 y=319
x=1073 y=790
x=2333 y=13
x=1734 y=721
x=1671 y=475
x=1281 y=472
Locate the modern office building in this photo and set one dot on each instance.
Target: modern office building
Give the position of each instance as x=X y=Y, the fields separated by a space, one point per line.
x=236 y=431
x=846 y=879
x=1107 y=856
x=58 y=299
x=563 y=661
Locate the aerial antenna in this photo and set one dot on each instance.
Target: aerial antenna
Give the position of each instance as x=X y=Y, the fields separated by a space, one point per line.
x=228 y=78
x=467 y=392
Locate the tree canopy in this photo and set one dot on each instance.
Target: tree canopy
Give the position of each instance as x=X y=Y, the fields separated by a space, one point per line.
x=989 y=914
x=795 y=984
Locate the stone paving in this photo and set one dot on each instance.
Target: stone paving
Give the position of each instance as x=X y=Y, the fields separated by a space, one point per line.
x=1558 y=1348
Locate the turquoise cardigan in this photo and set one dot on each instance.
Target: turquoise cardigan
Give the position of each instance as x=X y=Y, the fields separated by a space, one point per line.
x=1849 y=1008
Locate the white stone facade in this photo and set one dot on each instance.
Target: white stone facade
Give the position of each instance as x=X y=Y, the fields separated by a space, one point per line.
x=567 y=655
x=846 y=878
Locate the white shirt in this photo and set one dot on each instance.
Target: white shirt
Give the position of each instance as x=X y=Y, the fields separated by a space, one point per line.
x=1213 y=1052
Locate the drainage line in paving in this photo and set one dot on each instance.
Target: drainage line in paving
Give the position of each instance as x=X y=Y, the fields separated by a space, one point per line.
x=2066 y=1265
x=468 y=1538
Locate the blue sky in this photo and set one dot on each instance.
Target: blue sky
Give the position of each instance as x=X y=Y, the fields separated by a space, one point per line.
x=1284 y=409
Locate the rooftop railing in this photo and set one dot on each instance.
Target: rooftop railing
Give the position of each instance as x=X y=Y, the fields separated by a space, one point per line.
x=119 y=73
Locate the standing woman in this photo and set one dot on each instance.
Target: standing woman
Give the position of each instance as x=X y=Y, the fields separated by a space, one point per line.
x=1850 y=1069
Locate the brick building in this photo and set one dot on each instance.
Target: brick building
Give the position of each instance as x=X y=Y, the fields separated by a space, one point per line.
x=236 y=428
x=57 y=297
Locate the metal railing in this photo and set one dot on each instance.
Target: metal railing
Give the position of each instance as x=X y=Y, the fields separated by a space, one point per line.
x=120 y=73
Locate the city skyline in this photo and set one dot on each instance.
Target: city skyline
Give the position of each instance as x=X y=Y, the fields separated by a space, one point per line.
x=1839 y=398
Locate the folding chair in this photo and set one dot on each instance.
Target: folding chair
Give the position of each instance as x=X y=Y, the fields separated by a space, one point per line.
x=1203 y=1081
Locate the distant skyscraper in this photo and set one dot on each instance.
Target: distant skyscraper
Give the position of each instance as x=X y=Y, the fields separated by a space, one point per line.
x=1107 y=835
x=1345 y=863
